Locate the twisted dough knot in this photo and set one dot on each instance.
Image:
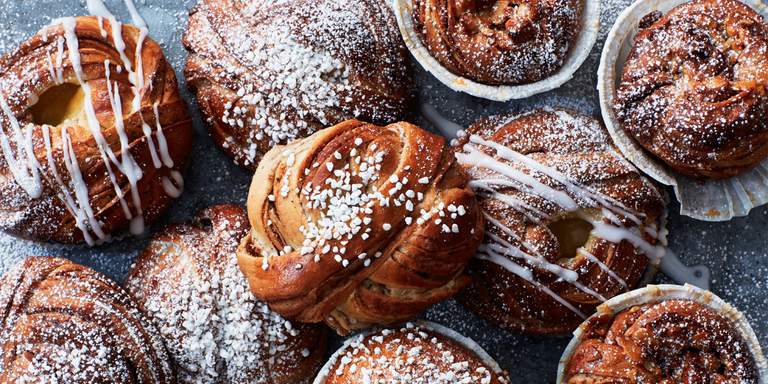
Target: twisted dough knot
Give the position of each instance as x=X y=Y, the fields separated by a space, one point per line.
x=94 y=132
x=358 y=225
x=499 y=41
x=693 y=90
x=188 y=283
x=675 y=341
x=267 y=73
x=66 y=323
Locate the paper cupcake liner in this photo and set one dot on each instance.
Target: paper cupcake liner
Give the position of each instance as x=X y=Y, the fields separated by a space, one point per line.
x=660 y=293
x=590 y=22
x=466 y=342
x=710 y=200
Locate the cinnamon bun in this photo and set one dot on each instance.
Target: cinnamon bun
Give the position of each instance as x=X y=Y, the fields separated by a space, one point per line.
x=499 y=42
x=188 y=283
x=267 y=73
x=415 y=353
x=358 y=225
x=65 y=323
x=694 y=88
x=93 y=132
x=672 y=340
x=570 y=223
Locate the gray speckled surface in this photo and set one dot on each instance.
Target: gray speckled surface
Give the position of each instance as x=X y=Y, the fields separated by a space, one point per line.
x=736 y=251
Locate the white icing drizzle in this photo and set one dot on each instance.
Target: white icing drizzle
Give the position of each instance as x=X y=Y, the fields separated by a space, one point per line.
x=25 y=168
x=97 y=8
x=604 y=267
x=136 y=18
x=169 y=187
x=698 y=275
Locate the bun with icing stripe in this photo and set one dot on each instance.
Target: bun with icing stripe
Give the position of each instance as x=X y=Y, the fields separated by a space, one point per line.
x=93 y=132
x=570 y=223
x=358 y=225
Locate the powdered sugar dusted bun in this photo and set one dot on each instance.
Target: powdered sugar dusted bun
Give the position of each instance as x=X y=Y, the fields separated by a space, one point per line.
x=421 y=352
x=500 y=50
x=359 y=225
x=267 y=73
x=570 y=223
x=188 y=283
x=723 y=97
x=93 y=132
x=65 y=323
x=664 y=333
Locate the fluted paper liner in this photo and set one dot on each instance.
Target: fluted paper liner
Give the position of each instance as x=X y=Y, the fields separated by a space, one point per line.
x=665 y=292
x=590 y=26
x=466 y=342
x=709 y=200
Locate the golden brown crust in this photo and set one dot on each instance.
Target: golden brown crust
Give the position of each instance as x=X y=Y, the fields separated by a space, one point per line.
x=546 y=246
x=499 y=42
x=693 y=91
x=266 y=74
x=43 y=66
x=358 y=225
x=188 y=283
x=675 y=341
x=411 y=354
x=63 y=322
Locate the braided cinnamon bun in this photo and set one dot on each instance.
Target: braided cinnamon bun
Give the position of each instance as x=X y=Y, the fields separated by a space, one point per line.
x=187 y=281
x=499 y=42
x=570 y=222
x=694 y=88
x=415 y=353
x=267 y=73
x=65 y=323
x=359 y=224
x=93 y=132
x=674 y=341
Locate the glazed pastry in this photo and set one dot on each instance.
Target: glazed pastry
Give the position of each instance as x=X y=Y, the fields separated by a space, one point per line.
x=266 y=73
x=416 y=353
x=65 y=323
x=674 y=341
x=569 y=222
x=499 y=42
x=359 y=225
x=693 y=91
x=93 y=132
x=188 y=283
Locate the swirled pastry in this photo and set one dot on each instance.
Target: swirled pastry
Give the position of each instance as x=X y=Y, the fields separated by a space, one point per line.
x=65 y=323
x=499 y=42
x=694 y=88
x=415 y=353
x=675 y=341
x=188 y=283
x=570 y=222
x=266 y=73
x=359 y=224
x=93 y=132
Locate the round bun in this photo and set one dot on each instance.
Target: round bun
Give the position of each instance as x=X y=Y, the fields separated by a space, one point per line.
x=65 y=323
x=187 y=281
x=673 y=341
x=359 y=224
x=94 y=133
x=266 y=73
x=415 y=353
x=569 y=222
x=499 y=42
x=694 y=91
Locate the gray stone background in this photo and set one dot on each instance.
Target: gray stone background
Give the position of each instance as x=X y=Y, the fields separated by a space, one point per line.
x=735 y=251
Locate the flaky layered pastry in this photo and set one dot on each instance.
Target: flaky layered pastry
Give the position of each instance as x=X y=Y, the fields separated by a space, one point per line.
x=266 y=73
x=93 y=132
x=499 y=42
x=570 y=223
x=694 y=88
x=675 y=341
x=188 y=283
x=65 y=323
x=358 y=225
